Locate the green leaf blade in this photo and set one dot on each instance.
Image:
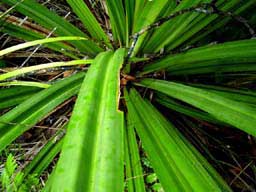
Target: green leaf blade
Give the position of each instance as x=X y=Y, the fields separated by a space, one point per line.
x=89 y=21
x=42 y=66
x=38 y=42
x=94 y=141
x=53 y=22
x=175 y=164
x=209 y=58
x=237 y=114
x=117 y=20
x=29 y=112
x=134 y=170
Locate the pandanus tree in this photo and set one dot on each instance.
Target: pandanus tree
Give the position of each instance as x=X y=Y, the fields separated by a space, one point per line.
x=133 y=56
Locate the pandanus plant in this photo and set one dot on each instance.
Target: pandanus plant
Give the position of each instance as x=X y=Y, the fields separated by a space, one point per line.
x=133 y=56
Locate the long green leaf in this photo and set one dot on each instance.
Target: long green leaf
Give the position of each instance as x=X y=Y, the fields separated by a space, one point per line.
x=89 y=21
x=93 y=145
x=53 y=22
x=29 y=35
x=183 y=27
x=209 y=58
x=129 y=15
x=133 y=168
x=28 y=113
x=189 y=111
x=242 y=95
x=42 y=66
x=117 y=20
x=173 y=159
x=38 y=42
x=12 y=96
x=146 y=16
x=25 y=83
x=237 y=114
x=160 y=36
